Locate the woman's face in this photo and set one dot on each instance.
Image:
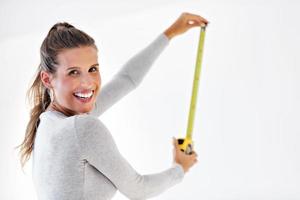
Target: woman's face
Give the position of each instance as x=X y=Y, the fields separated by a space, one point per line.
x=77 y=81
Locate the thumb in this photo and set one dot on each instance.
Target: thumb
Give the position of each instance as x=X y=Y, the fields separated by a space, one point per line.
x=175 y=143
x=194 y=23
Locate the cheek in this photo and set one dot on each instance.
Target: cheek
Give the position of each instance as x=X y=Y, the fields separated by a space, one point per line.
x=98 y=81
x=66 y=87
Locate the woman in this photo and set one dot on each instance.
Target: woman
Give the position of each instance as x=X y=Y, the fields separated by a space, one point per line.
x=74 y=154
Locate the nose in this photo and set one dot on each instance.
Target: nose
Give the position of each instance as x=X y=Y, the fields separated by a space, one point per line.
x=87 y=81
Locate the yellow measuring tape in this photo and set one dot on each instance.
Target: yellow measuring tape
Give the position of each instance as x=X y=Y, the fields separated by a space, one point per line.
x=186 y=144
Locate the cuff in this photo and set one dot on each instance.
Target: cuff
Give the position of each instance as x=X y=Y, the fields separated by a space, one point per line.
x=164 y=38
x=179 y=172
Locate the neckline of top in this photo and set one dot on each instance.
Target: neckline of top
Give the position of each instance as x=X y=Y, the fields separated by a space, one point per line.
x=57 y=113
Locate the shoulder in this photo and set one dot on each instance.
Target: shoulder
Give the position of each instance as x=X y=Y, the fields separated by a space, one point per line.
x=86 y=119
x=86 y=122
x=87 y=125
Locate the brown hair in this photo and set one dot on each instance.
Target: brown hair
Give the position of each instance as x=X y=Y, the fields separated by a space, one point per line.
x=61 y=36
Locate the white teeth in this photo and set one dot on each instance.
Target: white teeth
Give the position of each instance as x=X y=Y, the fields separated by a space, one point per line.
x=87 y=95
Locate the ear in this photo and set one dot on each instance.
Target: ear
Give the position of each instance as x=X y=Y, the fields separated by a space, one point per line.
x=46 y=79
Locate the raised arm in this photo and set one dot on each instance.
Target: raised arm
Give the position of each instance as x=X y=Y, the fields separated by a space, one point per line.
x=99 y=149
x=133 y=72
x=130 y=75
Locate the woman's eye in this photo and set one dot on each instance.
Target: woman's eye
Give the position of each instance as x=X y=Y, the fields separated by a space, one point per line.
x=73 y=72
x=95 y=69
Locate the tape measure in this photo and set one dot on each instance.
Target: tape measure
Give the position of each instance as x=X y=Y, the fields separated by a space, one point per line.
x=186 y=144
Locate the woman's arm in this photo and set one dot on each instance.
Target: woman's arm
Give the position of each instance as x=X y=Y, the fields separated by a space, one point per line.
x=99 y=149
x=130 y=75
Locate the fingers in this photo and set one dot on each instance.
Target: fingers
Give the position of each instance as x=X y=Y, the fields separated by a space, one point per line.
x=185 y=22
x=194 y=153
x=177 y=150
x=196 y=23
x=196 y=17
x=175 y=143
x=177 y=147
x=195 y=20
x=194 y=157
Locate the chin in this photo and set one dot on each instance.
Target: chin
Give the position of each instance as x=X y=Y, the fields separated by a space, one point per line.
x=86 y=110
x=83 y=111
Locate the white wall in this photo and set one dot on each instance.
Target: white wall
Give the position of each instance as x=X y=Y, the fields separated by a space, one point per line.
x=246 y=131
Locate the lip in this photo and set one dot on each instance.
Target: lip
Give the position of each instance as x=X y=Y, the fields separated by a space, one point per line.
x=84 y=100
x=84 y=91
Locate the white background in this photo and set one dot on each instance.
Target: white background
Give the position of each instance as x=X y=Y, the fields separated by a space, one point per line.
x=246 y=130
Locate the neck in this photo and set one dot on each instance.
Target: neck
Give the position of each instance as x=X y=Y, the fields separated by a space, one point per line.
x=56 y=107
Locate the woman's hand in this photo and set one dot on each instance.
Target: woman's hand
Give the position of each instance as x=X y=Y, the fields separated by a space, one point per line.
x=186 y=161
x=184 y=23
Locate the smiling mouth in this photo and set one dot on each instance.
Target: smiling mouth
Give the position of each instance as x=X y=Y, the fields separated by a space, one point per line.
x=84 y=96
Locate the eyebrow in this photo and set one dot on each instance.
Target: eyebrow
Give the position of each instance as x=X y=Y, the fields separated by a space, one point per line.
x=94 y=65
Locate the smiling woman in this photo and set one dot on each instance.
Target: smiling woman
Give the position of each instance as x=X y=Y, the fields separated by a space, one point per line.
x=63 y=45
x=74 y=88
x=74 y=154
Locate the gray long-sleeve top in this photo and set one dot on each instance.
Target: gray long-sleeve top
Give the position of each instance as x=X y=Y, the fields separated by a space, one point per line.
x=77 y=158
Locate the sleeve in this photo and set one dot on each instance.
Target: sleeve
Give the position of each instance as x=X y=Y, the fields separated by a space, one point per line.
x=129 y=76
x=99 y=149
